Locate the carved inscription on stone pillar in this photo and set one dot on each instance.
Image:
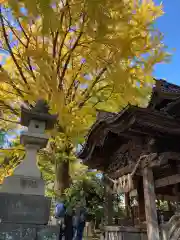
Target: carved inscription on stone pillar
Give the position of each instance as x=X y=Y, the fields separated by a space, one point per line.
x=29 y=183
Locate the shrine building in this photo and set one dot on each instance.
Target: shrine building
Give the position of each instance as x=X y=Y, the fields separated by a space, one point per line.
x=138 y=152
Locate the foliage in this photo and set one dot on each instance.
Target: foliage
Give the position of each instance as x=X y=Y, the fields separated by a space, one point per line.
x=86 y=190
x=80 y=56
x=162 y=205
x=11 y=155
x=3 y=138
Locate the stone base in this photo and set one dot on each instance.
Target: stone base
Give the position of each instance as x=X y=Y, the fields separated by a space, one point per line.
x=23 y=185
x=25 y=209
x=28 y=232
x=125 y=233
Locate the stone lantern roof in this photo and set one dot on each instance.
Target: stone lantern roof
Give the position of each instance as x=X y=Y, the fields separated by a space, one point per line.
x=39 y=112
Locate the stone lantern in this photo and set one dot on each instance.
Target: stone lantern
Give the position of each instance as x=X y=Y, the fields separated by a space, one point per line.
x=24 y=210
x=26 y=178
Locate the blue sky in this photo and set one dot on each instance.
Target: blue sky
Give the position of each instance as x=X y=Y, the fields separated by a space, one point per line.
x=168 y=25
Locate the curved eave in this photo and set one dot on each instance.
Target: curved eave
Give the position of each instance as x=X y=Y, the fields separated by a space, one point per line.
x=99 y=131
x=158 y=97
x=163 y=90
x=148 y=119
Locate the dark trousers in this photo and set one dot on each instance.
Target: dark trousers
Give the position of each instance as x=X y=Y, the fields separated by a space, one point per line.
x=68 y=231
x=80 y=230
x=61 y=232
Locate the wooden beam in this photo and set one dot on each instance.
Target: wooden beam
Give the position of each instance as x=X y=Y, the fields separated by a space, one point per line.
x=162 y=159
x=122 y=171
x=170 y=180
x=157 y=160
x=174 y=156
x=150 y=205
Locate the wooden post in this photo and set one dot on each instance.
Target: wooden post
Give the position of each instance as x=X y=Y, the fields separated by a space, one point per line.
x=177 y=193
x=169 y=206
x=141 y=203
x=108 y=204
x=150 y=205
x=127 y=204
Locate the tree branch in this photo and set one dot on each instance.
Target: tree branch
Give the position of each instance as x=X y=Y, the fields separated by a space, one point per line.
x=13 y=31
x=55 y=43
x=70 y=89
x=63 y=41
x=9 y=107
x=87 y=92
x=110 y=94
x=70 y=53
x=11 y=149
x=7 y=120
x=14 y=86
x=8 y=92
x=10 y=49
x=22 y=29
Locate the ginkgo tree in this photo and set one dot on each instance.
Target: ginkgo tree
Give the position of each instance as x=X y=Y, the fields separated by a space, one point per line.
x=79 y=56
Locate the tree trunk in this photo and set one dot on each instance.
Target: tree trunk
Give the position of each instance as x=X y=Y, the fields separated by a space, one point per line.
x=63 y=179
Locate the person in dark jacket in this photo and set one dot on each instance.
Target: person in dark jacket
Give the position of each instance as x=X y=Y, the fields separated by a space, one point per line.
x=60 y=212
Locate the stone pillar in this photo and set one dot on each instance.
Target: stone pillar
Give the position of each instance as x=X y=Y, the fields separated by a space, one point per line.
x=28 y=166
x=26 y=178
x=150 y=204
